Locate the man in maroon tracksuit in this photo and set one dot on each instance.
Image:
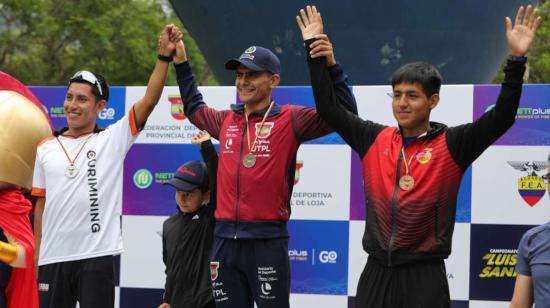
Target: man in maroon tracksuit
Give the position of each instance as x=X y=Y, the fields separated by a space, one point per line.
x=412 y=172
x=258 y=144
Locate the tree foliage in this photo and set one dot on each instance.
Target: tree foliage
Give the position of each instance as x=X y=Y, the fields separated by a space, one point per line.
x=538 y=66
x=43 y=42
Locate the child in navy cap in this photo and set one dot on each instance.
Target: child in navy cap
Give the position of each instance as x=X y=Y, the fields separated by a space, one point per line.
x=187 y=235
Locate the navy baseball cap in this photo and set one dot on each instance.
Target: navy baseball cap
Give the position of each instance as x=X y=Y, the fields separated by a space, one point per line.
x=258 y=59
x=193 y=174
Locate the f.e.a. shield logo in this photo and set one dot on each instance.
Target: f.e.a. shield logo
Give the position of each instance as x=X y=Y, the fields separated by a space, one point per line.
x=531 y=187
x=143 y=178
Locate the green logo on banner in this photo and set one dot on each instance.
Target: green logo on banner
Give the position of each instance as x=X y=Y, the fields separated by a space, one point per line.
x=143 y=178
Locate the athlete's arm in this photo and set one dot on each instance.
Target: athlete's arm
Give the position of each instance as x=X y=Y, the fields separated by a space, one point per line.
x=194 y=107
x=467 y=142
x=165 y=296
x=210 y=157
x=38 y=212
x=330 y=102
x=145 y=106
x=523 y=292
x=320 y=46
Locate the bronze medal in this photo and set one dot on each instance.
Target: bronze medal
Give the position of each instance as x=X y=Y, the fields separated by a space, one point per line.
x=249 y=160
x=406 y=182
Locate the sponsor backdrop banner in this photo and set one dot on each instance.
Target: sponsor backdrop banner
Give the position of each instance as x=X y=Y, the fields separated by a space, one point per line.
x=501 y=196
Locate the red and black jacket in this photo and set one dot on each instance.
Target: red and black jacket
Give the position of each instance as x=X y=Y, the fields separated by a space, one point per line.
x=407 y=226
x=255 y=202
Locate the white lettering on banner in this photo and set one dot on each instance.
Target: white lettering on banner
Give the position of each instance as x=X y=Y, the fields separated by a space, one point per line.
x=107 y=114
x=168 y=135
x=492 y=250
x=162 y=127
x=295 y=255
x=168 y=132
x=328 y=256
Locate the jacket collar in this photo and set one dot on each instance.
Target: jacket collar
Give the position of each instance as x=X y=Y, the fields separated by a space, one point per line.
x=435 y=129
x=239 y=108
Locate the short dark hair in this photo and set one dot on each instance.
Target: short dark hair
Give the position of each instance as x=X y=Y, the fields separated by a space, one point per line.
x=424 y=74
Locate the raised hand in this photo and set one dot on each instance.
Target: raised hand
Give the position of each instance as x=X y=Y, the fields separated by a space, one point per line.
x=180 y=55
x=322 y=47
x=310 y=22
x=175 y=35
x=200 y=137
x=521 y=34
x=166 y=46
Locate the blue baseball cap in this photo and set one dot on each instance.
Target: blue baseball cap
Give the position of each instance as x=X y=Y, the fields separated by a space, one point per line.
x=258 y=59
x=193 y=174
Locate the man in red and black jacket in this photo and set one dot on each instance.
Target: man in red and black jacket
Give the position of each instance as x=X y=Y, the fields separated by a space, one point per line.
x=412 y=172
x=258 y=144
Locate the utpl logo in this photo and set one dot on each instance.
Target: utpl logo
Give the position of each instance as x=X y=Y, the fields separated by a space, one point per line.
x=143 y=178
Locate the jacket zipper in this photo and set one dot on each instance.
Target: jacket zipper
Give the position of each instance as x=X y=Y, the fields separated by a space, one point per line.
x=393 y=208
x=239 y=181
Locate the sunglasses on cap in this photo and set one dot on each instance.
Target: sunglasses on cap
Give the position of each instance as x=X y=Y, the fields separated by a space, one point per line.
x=88 y=77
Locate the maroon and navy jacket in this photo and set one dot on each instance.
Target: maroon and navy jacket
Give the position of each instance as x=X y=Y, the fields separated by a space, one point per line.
x=414 y=225
x=255 y=202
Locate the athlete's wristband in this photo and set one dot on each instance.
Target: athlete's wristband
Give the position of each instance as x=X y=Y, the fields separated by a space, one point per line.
x=164 y=58
x=517 y=58
x=8 y=252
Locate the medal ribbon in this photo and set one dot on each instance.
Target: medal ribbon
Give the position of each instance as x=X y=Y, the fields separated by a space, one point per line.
x=261 y=126
x=407 y=164
x=71 y=162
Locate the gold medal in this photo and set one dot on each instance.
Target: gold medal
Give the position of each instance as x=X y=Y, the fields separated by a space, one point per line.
x=249 y=160
x=71 y=171
x=406 y=182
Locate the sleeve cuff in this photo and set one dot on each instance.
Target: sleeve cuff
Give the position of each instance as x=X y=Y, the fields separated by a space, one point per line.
x=38 y=192
x=514 y=70
x=306 y=45
x=206 y=144
x=132 y=119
